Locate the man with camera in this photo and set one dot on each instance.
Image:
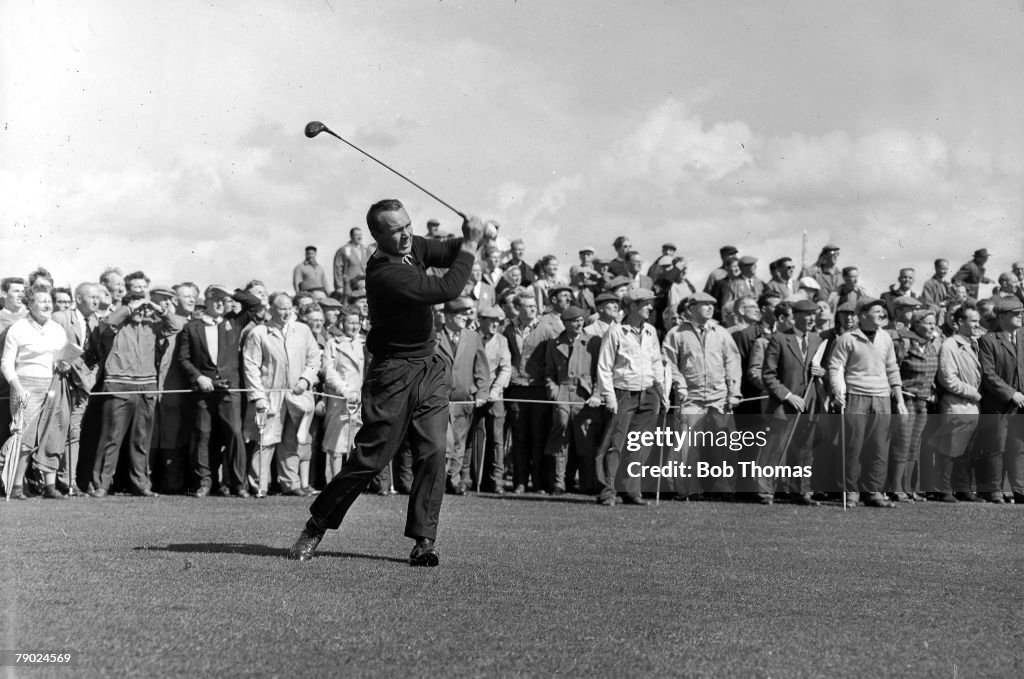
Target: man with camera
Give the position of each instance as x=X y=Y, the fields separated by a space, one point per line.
x=209 y=352
x=128 y=341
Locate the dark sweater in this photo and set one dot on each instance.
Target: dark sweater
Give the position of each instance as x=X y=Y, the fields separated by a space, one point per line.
x=401 y=296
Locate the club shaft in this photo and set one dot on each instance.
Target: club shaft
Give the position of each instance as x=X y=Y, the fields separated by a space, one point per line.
x=383 y=164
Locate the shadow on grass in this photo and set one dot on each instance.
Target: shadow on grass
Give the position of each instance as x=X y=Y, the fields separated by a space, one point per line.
x=256 y=550
x=536 y=498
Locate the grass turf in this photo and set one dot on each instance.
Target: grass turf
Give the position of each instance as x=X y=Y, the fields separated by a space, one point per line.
x=527 y=586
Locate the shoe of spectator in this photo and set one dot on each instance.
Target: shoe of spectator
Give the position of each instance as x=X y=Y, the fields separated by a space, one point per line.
x=852 y=499
x=243 y=493
x=260 y=494
x=305 y=547
x=606 y=501
x=878 y=500
x=520 y=489
x=994 y=498
x=18 y=493
x=765 y=500
x=805 y=499
x=948 y=497
x=681 y=497
x=540 y=491
x=98 y=493
x=634 y=500
x=202 y=491
x=310 y=491
x=51 y=493
x=899 y=497
x=918 y=497
x=968 y=497
x=557 y=490
x=224 y=491
x=424 y=554
x=294 y=492
x=498 y=490
x=147 y=493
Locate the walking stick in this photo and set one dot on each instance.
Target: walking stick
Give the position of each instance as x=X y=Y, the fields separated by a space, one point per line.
x=480 y=447
x=842 y=446
x=261 y=422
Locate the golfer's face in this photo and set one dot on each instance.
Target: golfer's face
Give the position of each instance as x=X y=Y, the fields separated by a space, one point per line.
x=394 y=232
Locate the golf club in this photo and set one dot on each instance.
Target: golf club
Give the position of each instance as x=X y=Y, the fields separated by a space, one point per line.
x=316 y=127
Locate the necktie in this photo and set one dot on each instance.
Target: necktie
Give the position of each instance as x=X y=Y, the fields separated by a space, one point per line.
x=803 y=345
x=408 y=259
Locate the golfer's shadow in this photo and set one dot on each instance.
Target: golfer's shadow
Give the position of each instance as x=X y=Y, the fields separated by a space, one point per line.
x=255 y=550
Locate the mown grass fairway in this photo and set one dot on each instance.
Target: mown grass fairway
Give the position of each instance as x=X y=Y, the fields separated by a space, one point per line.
x=527 y=586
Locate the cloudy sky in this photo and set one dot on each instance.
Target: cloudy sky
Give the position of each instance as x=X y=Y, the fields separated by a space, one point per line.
x=167 y=136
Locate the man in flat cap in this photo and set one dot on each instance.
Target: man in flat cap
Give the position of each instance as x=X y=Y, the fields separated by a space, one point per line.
x=631 y=381
x=973 y=272
x=407 y=384
x=489 y=418
x=705 y=367
x=607 y=315
x=308 y=274
x=1001 y=354
x=794 y=384
x=825 y=271
x=209 y=351
x=662 y=266
x=571 y=379
x=902 y=288
x=865 y=380
x=464 y=351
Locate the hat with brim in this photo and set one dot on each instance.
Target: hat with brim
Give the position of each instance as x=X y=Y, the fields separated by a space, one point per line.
x=805 y=306
x=457 y=305
x=572 y=313
x=300 y=407
x=866 y=303
x=491 y=312
x=1008 y=305
x=904 y=301
x=700 y=298
x=161 y=291
x=606 y=297
x=618 y=282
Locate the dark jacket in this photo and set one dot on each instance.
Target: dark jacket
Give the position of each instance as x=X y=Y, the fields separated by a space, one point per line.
x=1002 y=371
x=194 y=354
x=470 y=373
x=576 y=369
x=786 y=371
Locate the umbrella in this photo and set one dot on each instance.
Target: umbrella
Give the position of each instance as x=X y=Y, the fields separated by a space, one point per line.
x=11 y=451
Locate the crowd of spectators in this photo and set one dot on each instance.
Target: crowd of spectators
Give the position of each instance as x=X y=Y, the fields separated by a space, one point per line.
x=903 y=395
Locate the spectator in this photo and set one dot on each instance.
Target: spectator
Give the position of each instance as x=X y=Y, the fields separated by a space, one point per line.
x=489 y=418
x=729 y=254
x=783 y=282
x=517 y=261
x=112 y=279
x=902 y=288
x=607 y=315
x=308 y=275
x=617 y=266
x=973 y=272
x=281 y=355
x=13 y=289
x=344 y=364
x=137 y=283
x=350 y=261
x=631 y=383
x=127 y=346
x=936 y=289
x=825 y=272
x=62 y=299
x=32 y=349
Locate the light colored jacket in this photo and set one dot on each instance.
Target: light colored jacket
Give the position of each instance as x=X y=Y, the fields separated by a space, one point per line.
x=959 y=375
x=626 y=363
x=276 y=358
x=344 y=363
x=707 y=372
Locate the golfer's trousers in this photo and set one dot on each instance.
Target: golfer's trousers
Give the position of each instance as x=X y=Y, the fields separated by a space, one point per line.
x=400 y=395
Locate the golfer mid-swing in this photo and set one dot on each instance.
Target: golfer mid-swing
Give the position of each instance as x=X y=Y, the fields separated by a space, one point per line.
x=407 y=384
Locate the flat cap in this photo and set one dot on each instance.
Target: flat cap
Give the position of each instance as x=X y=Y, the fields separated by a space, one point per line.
x=727 y=250
x=433 y=222
x=747 y=260
x=559 y=288
x=161 y=291
x=700 y=298
x=493 y=312
x=847 y=308
x=865 y=303
x=618 y=282
x=454 y=306
x=606 y=297
x=357 y=294
x=669 y=246
x=1008 y=305
x=922 y=314
x=906 y=301
x=830 y=248
x=216 y=291
x=640 y=295
x=808 y=282
x=330 y=303
x=572 y=313
x=587 y=248
x=805 y=306
x=981 y=253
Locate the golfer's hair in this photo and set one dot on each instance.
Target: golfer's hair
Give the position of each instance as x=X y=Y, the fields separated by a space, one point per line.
x=275 y=295
x=386 y=205
x=6 y=283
